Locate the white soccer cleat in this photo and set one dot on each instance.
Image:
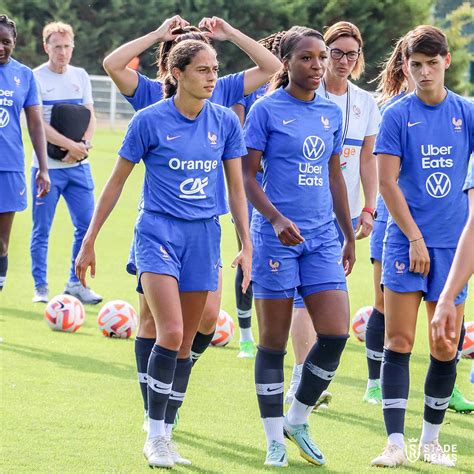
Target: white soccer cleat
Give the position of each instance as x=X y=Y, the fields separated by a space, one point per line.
x=276 y=455
x=41 y=295
x=175 y=456
x=392 y=456
x=83 y=293
x=157 y=453
x=433 y=453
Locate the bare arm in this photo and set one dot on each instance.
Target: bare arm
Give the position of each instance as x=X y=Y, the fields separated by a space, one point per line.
x=115 y=64
x=286 y=231
x=34 y=121
x=238 y=208
x=443 y=324
x=368 y=177
x=107 y=201
x=266 y=62
x=239 y=110
x=389 y=169
x=338 y=189
x=89 y=133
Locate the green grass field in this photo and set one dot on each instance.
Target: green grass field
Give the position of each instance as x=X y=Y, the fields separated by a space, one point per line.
x=71 y=402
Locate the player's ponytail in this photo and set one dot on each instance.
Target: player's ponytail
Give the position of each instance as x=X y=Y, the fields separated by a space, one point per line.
x=179 y=57
x=287 y=43
x=162 y=53
x=392 y=80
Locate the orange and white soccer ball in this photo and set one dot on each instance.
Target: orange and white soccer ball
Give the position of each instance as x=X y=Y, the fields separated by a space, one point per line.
x=359 y=322
x=225 y=329
x=468 y=344
x=64 y=313
x=117 y=319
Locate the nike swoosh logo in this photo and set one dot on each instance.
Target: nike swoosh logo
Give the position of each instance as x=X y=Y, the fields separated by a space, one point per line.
x=390 y=404
x=22 y=192
x=315 y=454
x=39 y=203
x=412 y=124
x=50 y=90
x=286 y=122
x=272 y=389
x=376 y=357
x=172 y=138
x=441 y=404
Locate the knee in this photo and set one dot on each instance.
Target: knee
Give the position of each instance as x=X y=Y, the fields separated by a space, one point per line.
x=170 y=336
x=440 y=352
x=208 y=320
x=275 y=342
x=146 y=327
x=3 y=246
x=399 y=342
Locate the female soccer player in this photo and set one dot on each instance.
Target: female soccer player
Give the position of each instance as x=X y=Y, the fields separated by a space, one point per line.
x=141 y=92
x=361 y=119
x=423 y=149
x=394 y=82
x=182 y=141
x=17 y=91
x=243 y=301
x=297 y=135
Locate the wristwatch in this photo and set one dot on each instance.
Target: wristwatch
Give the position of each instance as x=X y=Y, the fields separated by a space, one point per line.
x=371 y=211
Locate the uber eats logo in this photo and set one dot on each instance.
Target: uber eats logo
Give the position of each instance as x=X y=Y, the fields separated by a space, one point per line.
x=313 y=150
x=438 y=184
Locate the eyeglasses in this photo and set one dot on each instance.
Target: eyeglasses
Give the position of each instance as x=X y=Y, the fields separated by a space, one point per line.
x=338 y=54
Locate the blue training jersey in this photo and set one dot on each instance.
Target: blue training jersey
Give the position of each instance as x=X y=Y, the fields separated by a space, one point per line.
x=434 y=144
x=17 y=91
x=182 y=156
x=382 y=211
x=250 y=99
x=228 y=91
x=297 y=139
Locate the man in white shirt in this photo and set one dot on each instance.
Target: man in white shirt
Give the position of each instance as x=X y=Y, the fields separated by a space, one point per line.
x=60 y=83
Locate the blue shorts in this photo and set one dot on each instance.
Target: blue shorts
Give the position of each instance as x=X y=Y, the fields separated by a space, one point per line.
x=131 y=265
x=376 y=240
x=397 y=277
x=187 y=250
x=279 y=269
x=13 y=191
x=340 y=235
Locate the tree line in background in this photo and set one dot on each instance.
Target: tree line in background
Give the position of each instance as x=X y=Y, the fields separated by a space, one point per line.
x=102 y=25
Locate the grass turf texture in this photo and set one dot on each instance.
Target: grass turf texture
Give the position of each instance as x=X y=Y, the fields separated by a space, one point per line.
x=71 y=402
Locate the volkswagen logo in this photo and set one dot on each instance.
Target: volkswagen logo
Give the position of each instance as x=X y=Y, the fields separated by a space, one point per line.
x=313 y=148
x=4 y=118
x=438 y=185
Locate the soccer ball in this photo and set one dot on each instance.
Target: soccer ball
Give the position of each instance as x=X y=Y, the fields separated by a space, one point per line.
x=117 y=319
x=225 y=329
x=64 y=313
x=359 y=322
x=468 y=344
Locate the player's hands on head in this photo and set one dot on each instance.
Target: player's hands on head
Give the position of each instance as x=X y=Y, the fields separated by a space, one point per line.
x=365 y=224
x=85 y=259
x=43 y=183
x=348 y=256
x=218 y=29
x=443 y=324
x=419 y=257
x=244 y=259
x=165 y=31
x=287 y=231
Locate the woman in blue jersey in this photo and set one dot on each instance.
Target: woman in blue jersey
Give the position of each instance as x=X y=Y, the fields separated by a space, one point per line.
x=423 y=149
x=361 y=119
x=296 y=135
x=141 y=91
x=182 y=141
x=17 y=91
x=394 y=83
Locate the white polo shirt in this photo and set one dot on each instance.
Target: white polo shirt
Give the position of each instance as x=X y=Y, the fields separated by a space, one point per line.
x=71 y=87
x=363 y=118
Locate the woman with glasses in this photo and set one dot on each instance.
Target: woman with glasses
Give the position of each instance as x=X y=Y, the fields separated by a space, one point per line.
x=361 y=118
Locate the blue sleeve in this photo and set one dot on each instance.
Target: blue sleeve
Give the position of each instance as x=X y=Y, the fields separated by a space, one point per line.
x=256 y=127
x=337 y=147
x=148 y=92
x=469 y=184
x=135 y=142
x=234 y=145
x=230 y=89
x=389 y=140
x=31 y=98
